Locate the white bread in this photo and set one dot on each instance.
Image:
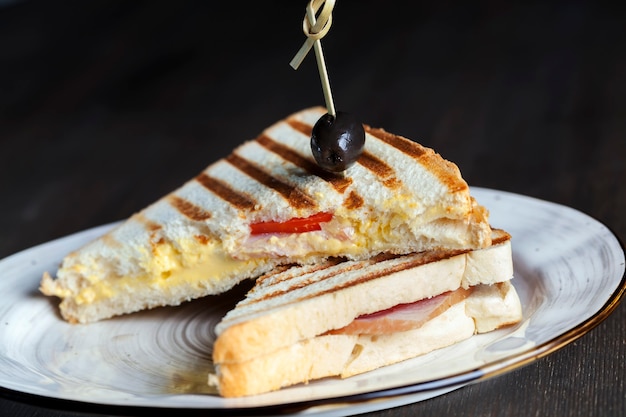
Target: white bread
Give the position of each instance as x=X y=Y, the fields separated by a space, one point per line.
x=286 y=317
x=399 y=197
x=339 y=355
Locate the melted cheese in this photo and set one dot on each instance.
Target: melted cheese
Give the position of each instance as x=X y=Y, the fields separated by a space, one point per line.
x=169 y=268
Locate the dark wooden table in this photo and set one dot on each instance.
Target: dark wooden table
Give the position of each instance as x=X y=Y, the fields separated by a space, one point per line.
x=107 y=105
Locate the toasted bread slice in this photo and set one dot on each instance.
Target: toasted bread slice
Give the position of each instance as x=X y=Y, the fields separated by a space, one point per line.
x=290 y=327
x=338 y=355
x=399 y=197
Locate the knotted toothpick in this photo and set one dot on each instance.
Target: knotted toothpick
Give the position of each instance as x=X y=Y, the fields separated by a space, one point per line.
x=315 y=29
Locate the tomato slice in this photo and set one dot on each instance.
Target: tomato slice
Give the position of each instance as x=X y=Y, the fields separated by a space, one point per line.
x=295 y=225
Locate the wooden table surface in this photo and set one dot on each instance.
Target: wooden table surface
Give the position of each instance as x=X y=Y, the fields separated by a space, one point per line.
x=107 y=105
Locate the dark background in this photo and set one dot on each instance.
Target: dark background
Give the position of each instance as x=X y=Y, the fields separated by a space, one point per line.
x=106 y=105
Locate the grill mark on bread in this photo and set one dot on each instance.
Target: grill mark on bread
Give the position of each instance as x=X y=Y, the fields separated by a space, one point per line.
x=447 y=172
x=379 y=168
x=276 y=272
x=287 y=272
x=202 y=239
x=152 y=227
x=188 y=209
x=326 y=268
x=148 y=224
x=225 y=192
x=293 y=195
x=413 y=149
x=303 y=128
x=110 y=240
x=338 y=183
x=354 y=201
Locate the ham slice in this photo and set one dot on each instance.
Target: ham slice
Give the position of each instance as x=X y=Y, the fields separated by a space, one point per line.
x=404 y=317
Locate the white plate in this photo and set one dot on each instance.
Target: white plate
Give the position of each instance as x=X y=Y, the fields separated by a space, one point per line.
x=569 y=272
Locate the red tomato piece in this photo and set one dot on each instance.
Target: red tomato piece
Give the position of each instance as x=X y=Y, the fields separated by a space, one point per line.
x=295 y=225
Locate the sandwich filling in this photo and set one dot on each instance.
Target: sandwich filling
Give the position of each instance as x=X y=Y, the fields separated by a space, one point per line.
x=341 y=233
x=404 y=317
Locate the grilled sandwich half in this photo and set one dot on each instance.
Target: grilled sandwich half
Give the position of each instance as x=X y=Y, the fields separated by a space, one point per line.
x=269 y=204
x=342 y=318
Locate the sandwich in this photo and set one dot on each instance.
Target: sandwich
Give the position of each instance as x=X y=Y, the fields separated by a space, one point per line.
x=265 y=205
x=342 y=318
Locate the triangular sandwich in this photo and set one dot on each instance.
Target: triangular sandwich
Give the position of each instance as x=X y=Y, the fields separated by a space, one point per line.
x=343 y=318
x=269 y=204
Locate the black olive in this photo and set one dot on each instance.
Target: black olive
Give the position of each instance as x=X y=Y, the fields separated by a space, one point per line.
x=337 y=142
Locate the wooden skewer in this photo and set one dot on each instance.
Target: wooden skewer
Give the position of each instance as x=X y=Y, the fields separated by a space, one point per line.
x=315 y=29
